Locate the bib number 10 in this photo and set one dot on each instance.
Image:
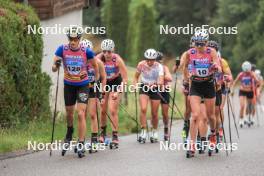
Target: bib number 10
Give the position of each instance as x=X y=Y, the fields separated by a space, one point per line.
x=202 y=72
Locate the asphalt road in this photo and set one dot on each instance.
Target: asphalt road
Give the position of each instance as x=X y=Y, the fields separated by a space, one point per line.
x=137 y=159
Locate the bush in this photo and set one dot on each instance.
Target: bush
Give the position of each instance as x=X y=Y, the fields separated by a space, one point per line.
x=25 y=87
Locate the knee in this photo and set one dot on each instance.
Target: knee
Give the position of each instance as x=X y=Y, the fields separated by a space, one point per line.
x=195 y=116
x=81 y=114
x=113 y=113
x=143 y=111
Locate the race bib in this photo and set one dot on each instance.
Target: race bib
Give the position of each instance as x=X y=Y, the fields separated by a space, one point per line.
x=74 y=70
x=202 y=72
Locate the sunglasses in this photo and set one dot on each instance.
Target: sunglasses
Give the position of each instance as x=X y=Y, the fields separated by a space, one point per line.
x=109 y=52
x=200 y=44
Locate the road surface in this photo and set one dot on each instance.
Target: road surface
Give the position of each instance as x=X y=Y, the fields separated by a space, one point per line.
x=134 y=159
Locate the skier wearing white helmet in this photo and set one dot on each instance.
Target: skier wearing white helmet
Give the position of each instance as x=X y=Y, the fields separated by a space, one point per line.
x=247 y=81
x=87 y=43
x=116 y=77
x=200 y=63
x=152 y=75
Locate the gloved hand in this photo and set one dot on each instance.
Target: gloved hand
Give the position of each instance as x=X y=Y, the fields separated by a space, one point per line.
x=58 y=63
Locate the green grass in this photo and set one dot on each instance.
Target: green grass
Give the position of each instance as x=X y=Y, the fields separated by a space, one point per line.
x=17 y=137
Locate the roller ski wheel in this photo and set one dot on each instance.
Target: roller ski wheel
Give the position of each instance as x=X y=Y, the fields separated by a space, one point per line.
x=166 y=138
x=93 y=148
x=210 y=152
x=66 y=146
x=249 y=124
x=190 y=154
x=113 y=145
x=241 y=125
x=80 y=150
x=141 y=140
x=153 y=140
x=212 y=144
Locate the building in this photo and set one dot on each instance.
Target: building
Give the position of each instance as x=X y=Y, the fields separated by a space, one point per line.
x=47 y=9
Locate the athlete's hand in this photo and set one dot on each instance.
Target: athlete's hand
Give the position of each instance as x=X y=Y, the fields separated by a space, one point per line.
x=227 y=78
x=58 y=63
x=185 y=86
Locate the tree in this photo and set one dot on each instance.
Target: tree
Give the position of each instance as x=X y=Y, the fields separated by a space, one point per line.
x=142 y=33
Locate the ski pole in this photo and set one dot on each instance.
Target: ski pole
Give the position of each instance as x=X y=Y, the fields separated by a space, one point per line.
x=136 y=112
x=233 y=115
x=229 y=126
x=221 y=117
x=55 y=110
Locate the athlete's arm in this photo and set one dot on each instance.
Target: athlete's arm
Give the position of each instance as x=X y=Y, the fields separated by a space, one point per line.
x=234 y=82
x=185 y=60
x=182 y=61
x=102 y=72
x=161 y=75
x=123 y=69
x=57 y=59
x=215 y=60
x=167 y=74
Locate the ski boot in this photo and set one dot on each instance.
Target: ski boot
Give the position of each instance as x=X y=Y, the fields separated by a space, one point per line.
x=103 y=139
x=143 y=135
x=201 y=148
x=114 y=142
x=221 y=134
x=67 y=140
x=212 y=143
x=241 y=123
x=166 y=134
x=94 y=143
x=191 y=151
x=80 y=149
x=154 y=136
x=217 y=141
x=185 y=131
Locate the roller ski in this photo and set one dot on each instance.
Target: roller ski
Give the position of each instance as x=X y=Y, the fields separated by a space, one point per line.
x=191 y=151
x=114 y=143
x=185 y=132
x=67 y=141
x=66 y=146
x=142 y=137
x=166 y=134
x=201 y=146
x=154 y=136
x=94 y=144
x=212 y=143
x=103 y=138
x=241 y=123
x=218 y=141
x=80 y=149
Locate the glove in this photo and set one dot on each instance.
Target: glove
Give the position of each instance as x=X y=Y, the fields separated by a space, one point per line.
x=58 y=63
